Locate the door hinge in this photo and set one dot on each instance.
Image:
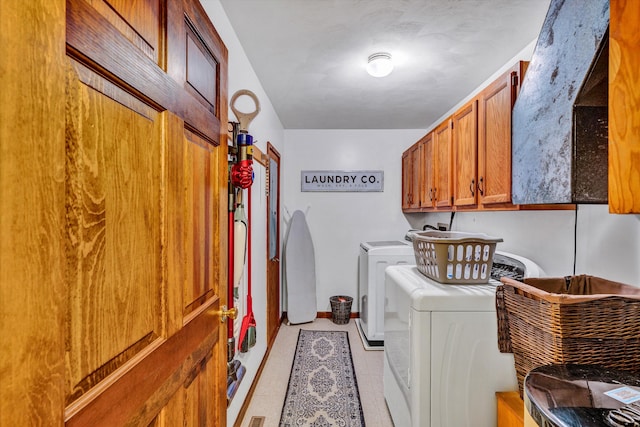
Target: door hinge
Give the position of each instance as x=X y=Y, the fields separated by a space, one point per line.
x=514 y=79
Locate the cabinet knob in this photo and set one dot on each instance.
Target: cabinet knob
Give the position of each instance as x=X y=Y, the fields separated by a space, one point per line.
x=472 y=187
x=480 y=189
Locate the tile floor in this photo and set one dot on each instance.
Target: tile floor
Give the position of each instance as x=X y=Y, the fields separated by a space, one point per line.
x=268 y=396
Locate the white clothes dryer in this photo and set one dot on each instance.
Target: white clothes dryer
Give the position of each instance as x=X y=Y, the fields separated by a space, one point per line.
x=442 y=365
x=374 y=258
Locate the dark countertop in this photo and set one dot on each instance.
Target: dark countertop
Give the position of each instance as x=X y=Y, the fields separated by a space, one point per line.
x=573 y=395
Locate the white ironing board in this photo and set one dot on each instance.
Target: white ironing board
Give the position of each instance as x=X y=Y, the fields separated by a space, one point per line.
x=300 y=271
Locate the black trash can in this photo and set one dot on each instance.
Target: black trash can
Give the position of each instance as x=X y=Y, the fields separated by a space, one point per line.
x=340 y=309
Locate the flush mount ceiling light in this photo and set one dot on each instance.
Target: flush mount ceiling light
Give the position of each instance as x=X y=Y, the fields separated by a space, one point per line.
x=380 y=64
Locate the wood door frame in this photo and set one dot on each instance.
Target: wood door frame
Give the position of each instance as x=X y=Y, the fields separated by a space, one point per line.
x=273 y=289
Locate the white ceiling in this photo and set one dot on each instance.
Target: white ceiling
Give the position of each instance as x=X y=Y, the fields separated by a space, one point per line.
x=310 y=55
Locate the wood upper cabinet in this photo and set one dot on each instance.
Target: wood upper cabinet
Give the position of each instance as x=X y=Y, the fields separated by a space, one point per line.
x=624 y=107
x=465 y=149
x=442 y=154
x=411 y=177
x=495 y=103
x=418 y=175
x=466 y=160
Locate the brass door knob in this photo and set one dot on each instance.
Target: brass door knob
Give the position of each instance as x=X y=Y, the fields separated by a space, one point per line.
x=225 y=313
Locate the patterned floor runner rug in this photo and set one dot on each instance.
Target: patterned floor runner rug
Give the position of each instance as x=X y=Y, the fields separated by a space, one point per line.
x=322 y=389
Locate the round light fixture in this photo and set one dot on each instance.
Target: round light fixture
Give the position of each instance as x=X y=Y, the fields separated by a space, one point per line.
x=380 y=64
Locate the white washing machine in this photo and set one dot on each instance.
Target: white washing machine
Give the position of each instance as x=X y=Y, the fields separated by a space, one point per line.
x=442 y=365
x=374 y=258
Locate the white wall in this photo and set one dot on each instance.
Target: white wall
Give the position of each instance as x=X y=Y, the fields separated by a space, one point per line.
x=338 y=222
x=265 y=127
x=608 y=245
x=605 y=245
x=545 y=237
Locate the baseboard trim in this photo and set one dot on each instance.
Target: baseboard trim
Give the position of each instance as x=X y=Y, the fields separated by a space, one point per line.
x=247 y=400
x=324 y=315
x=328 y=315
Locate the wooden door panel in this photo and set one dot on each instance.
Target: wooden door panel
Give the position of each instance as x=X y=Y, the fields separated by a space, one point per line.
x=427 y=164
x=624 y=108
x=201 y=216
x=412 y=176
x=32 y=214
x=190 y=404
x=416 y=176
x=127 y=65
x=273 y=243
x=94 y=40
x=465 y=141
x=442 y=153
x=197 y=61
x=144 y=243
x=494 y=141
x=139 y=21
x=111 y=277
x=143 y=390
x=202 y=70
x=113 y=246
x=406 y=179
x=496 y=172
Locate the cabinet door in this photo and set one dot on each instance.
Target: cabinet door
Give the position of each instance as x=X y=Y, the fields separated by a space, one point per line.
x=442 y=154
x=416 y=176
x=427 y=166
x=407 y=173
x=411 y=177
x=465 y=147
x=494 y=137
x=624 y=107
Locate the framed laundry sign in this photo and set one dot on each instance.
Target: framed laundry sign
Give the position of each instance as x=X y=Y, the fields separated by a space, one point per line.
x=347 y=181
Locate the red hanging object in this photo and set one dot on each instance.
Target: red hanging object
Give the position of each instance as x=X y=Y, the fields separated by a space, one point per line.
x=242 y=171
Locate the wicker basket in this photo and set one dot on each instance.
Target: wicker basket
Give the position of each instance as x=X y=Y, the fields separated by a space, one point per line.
x=454 y=257
x=569 y=320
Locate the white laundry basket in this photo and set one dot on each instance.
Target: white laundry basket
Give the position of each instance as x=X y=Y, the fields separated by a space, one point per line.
x=455 y=257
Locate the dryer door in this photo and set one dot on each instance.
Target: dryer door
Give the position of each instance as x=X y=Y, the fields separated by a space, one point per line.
x=470 y=369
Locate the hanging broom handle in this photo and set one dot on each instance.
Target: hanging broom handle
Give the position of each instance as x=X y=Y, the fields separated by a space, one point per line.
x=249 y=227
x=244 y=118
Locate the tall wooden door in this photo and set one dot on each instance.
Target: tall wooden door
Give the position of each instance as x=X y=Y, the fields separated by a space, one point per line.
x=121 y=220
x=273 y=243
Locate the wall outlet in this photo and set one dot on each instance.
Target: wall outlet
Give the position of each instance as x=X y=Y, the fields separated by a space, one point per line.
x=443 y=227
